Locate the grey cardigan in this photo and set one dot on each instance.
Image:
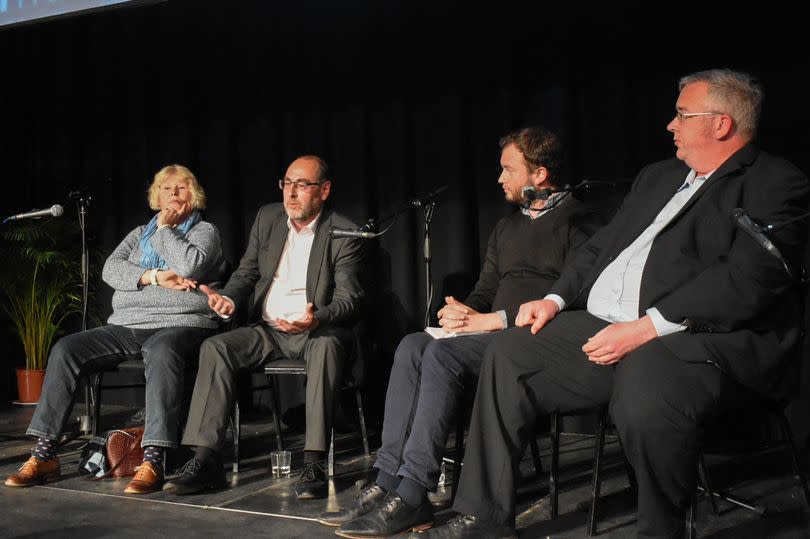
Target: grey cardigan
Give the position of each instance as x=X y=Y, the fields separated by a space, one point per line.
x=196 y=256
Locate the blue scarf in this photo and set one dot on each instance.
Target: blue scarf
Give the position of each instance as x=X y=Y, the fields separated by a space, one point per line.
x=149 y=257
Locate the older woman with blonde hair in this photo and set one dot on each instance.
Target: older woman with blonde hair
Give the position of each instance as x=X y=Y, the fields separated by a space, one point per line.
x=156 y=316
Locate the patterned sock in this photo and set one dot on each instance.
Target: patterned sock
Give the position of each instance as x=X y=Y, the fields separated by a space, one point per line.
x=45 y=450
x=154 y=454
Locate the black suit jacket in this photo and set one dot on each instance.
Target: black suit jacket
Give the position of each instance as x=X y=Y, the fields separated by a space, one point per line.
x=741 y=308
x=333 y=282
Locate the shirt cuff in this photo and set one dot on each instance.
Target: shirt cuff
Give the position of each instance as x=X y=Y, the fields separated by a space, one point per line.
x=502 y=315
x=556 y=299
x=663 y=326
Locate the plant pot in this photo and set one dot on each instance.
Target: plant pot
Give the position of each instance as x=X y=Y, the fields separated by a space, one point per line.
x=29 y=385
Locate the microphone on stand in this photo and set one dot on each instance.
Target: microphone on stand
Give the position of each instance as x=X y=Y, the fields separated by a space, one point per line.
x=335 y=232
x=530 y=193
x=421 y=201
x=54 y=211
x=745 y=223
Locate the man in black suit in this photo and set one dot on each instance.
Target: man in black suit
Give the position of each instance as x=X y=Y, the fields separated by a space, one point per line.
x=668 y=313
x=525 y=254
x=306 y=293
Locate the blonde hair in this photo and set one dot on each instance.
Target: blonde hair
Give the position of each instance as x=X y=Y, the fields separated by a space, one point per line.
x=169 y=171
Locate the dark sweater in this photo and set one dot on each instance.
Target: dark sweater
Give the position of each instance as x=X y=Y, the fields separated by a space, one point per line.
x=525 y=256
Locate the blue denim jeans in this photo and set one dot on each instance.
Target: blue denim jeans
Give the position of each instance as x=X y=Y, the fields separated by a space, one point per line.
x=164 y=352
x=426 y=384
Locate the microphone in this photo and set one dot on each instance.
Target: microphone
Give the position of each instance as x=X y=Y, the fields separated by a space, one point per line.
x=421 y=201
x=54 y=211
x=530 y=193
x=744 y=222
x=335 y=232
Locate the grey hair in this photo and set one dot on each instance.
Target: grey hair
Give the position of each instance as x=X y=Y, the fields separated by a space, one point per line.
x=735 y=93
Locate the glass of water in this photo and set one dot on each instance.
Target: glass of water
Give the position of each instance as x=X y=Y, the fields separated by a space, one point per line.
x=280 y=463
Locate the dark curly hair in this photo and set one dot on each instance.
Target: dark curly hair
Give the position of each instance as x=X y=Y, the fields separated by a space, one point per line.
x=540 y=148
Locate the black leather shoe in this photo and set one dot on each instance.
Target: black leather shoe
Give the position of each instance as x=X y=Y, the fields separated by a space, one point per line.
x=367 y=499
x=464 y=526
x=197 y=476
x=313 y=483
x=391 y=517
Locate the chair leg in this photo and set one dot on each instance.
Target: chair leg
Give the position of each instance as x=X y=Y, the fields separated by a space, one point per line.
x=271 y=379
x=703 y=476
x=787 y=433
x=555 y=461
x=94 y=394
x=236 y=426
x=362 y=416
x=538 y=464
x=596 y=477
x=459 y=455
x=330 y=460
x=691 y=517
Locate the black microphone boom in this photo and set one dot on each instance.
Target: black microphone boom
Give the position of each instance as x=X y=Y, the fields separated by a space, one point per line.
x=421 y=201
x=54 y=211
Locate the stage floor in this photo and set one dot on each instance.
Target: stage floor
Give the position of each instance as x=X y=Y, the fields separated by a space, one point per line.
x=257 y=504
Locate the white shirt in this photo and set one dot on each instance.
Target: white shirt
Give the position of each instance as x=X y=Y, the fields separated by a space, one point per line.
x=287 y=296
x=614 y=297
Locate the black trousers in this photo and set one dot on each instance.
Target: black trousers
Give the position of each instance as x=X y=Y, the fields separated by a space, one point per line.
x=657 y=401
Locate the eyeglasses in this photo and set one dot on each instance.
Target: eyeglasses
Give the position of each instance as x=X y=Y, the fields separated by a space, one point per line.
x=681 y=116
x=286 y=183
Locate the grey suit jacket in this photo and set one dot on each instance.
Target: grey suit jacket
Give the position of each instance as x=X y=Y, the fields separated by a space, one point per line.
x=333 y=282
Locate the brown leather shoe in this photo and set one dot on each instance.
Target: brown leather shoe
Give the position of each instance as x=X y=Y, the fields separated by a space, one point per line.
x=148 y=478
x=35 y=472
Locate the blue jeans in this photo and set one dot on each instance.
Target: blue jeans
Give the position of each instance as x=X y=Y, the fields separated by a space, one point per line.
x=426 y=385
x=164 y=352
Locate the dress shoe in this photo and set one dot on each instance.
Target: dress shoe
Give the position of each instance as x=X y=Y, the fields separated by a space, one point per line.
x=197 y=476
x=367 y=499
x=148 y=478
x=467 y=526
x=35 y=472
x=392 y=516
x=313 y=483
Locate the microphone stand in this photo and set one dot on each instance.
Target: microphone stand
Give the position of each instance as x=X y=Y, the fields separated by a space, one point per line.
x=82 y=203
x=428 y=203
x=429 y=209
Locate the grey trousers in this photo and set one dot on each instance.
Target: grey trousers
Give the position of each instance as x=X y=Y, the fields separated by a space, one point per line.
x=223 y=355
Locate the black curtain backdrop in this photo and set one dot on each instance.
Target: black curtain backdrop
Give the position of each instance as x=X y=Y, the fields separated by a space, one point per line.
x=400 y=97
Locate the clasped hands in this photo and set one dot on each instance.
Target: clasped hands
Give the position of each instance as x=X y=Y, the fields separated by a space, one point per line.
x=609 y=346
x=455 y=317
x=225 y=307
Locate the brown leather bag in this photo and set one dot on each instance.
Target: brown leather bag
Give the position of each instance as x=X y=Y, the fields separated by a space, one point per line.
x=124 y=452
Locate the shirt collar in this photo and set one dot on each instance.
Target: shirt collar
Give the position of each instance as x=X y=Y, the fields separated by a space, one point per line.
x=551 y=203
x=309 y=229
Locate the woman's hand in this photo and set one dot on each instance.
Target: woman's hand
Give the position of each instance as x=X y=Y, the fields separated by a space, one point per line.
x=170 y=217
x=169 y=279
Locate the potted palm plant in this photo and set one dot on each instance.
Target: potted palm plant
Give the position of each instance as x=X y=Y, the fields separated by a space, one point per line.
x=41 y=290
